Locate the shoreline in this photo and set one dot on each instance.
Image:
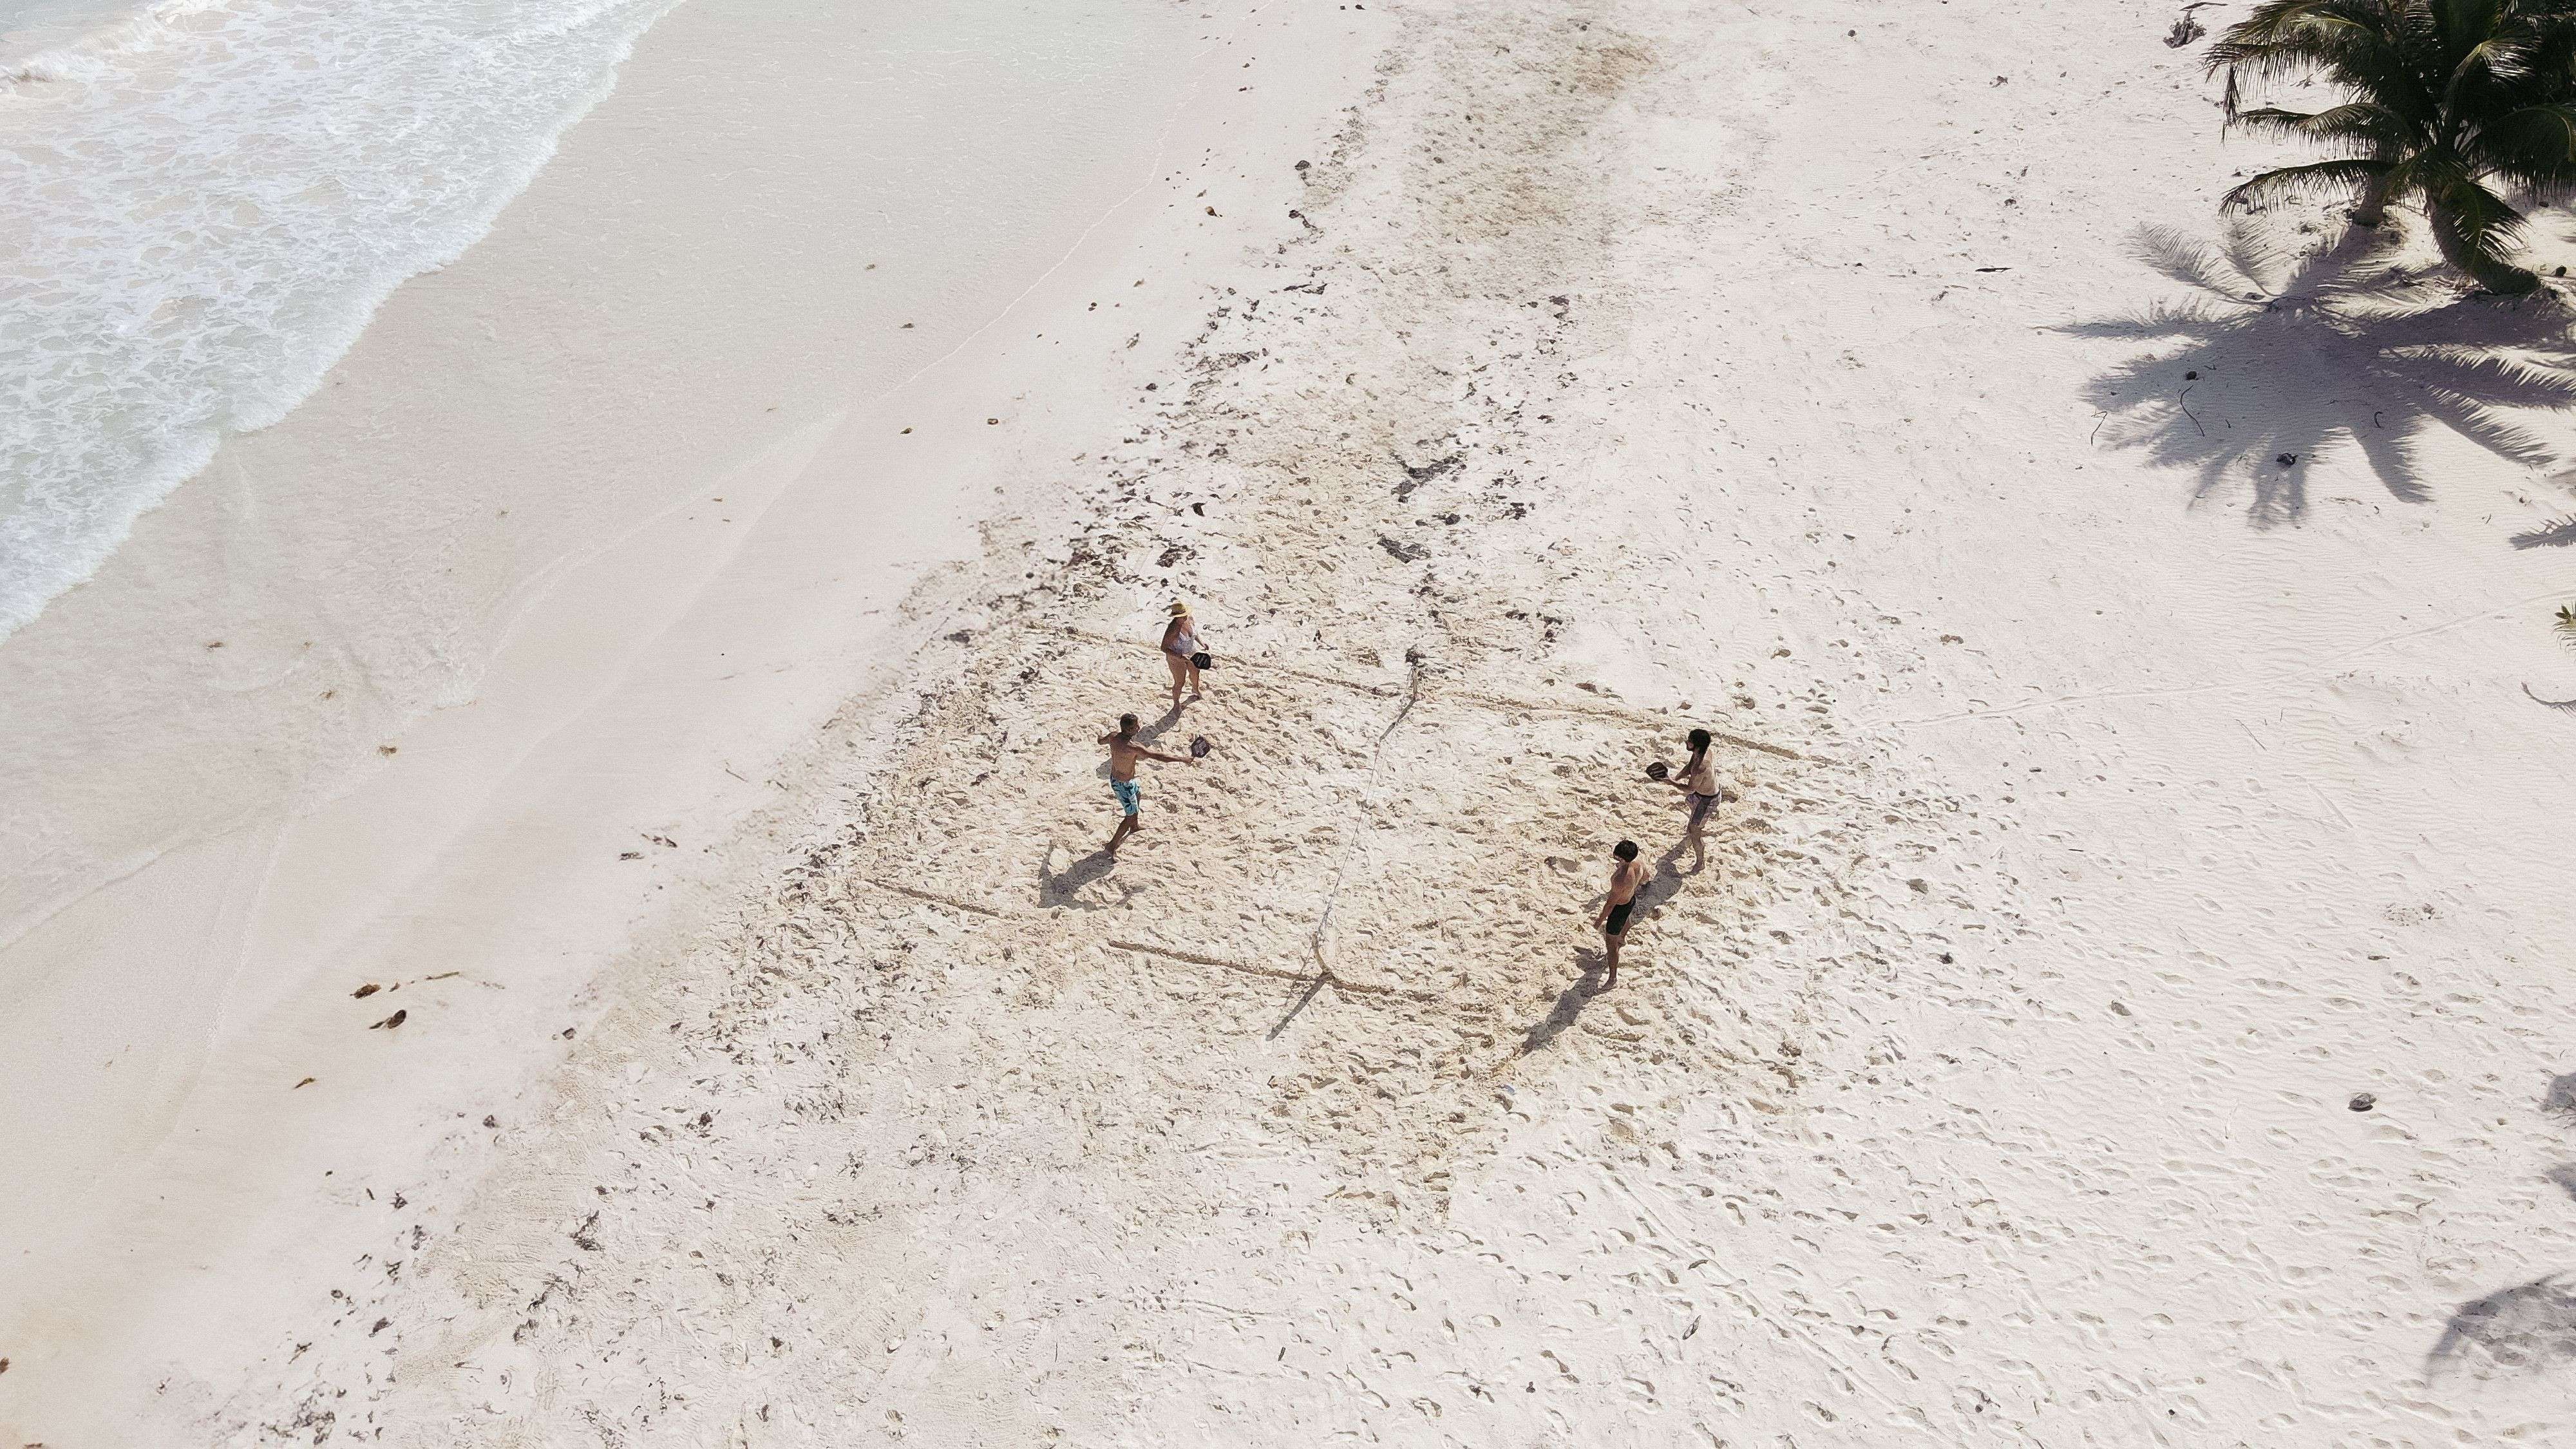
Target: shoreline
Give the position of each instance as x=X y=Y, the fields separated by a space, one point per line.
x=171 y=250
x=639 y=686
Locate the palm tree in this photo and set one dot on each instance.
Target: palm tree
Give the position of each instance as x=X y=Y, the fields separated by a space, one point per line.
x=2445 y=96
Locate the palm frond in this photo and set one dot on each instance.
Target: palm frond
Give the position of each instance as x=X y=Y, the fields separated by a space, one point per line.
x=2485 y=223
x=2309 y=25
x=2346 y=175
x=2496 y=58
x=2382 y=131
x=2533 y=147
x=2553 y=56
x=2361 y=42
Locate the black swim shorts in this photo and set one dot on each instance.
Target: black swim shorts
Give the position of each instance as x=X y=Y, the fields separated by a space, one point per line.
x=1617 y=925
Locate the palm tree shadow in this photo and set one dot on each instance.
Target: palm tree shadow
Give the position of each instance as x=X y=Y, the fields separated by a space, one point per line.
x=2275 y=357
x=2528 y=1327
x=2561 y=534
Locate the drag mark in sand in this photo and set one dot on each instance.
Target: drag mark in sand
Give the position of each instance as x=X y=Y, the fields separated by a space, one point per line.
x=1147 y=948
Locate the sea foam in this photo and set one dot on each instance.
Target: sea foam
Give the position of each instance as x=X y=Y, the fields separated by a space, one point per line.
x=208 y=200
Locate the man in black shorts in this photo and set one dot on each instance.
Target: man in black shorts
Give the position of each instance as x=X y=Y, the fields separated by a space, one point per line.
x=1625 y=878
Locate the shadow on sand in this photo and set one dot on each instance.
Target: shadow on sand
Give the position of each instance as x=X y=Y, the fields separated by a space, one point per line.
x=1162 y=723
x=1303 y=997
x=1066 y=889
x=2272 y=357
x=2528 y=1327
x=1569 y=1002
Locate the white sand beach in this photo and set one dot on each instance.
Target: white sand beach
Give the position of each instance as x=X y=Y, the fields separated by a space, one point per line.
x=612 y=947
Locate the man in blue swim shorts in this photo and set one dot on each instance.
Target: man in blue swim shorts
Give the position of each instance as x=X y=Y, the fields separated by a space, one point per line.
x=1124 y=752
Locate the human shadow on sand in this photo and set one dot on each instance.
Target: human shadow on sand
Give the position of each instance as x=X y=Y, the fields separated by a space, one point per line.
x=1161 y=725
x=1569 y=1002
x=2274 y=356
x=1065 y=888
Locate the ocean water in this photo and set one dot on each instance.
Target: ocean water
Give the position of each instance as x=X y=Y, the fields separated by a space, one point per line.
x=207 y=199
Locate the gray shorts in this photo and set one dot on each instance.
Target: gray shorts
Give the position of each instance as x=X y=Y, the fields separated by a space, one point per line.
x=1700 y=805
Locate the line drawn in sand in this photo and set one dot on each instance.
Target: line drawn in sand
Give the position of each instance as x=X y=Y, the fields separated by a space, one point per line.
x=1419 y=688
x=1149 y=948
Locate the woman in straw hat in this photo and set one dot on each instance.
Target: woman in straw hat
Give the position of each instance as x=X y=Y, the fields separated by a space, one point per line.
x=1180 y=642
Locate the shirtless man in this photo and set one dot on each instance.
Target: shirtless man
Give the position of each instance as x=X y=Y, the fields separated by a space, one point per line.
x=1625 y=877
x=1124 y=752
x=1698 y=783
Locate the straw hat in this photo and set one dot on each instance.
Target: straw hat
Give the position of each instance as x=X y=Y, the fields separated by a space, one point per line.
x=1180 y=610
